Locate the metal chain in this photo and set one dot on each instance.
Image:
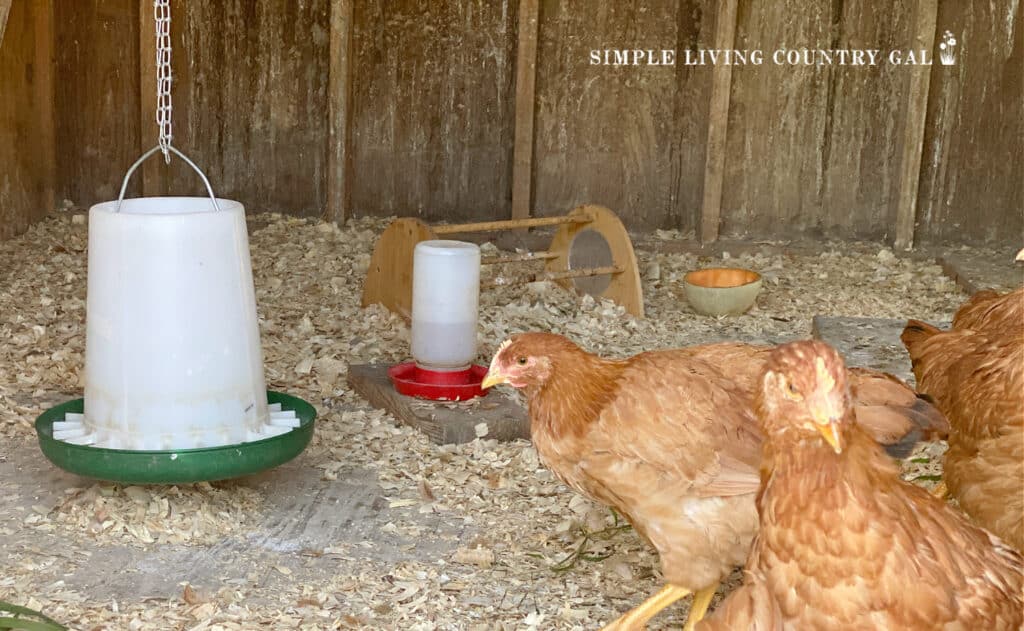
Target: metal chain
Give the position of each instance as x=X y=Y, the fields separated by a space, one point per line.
x=162 y=13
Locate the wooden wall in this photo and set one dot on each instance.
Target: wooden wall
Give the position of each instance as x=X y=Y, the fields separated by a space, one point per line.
x=345 y=107
x=627 y=137
x=814 y=146
x=972 y=168
x=26 y=115
x=96 y=97
x=431 y=127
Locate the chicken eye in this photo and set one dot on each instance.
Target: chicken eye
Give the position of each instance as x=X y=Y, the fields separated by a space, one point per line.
x=521 y=361
x=792 y=392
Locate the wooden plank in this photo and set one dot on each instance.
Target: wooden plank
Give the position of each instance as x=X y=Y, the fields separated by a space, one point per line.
x=252 y=109
x=5 y=10
x=45 y=110
x=339 y=103
x=973 y=272
x=718 y=122
x=26 y=121
x=97 y=98
x=916 y=111
x=443 y=423
x=432 y=120
x=153 y=175
x=971 y=189
x=526 y=75
x=867 y=342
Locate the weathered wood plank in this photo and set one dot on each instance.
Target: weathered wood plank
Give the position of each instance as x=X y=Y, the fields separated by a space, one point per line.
x=97 y=98
x=629 y=137
x=339 y=105
x=867 y=342
x=26 y=118
x=813 y=149
x=995 y=270
x=971 y=189
x=43 y=86
x=432 y=112
x=718 y=123
x=505 y=419
x=914 y=124
x=251 y=102
x=526 y=72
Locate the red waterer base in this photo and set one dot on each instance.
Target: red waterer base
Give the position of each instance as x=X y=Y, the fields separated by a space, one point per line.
x=411 y=380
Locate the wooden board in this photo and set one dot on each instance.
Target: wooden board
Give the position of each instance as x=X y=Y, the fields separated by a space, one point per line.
x=916 y=109
x=971 y=186
x=867 y=342
x=27 y=179
x=97 y=98
x=526 y=71
x=389 y=275
x=339 y=105
x=814 y=150
x=432 y=110
x=625 y=288
x=718 y=123
x=251 y=103
x=153 y=175
x=504 y=418
x=626 y=137
x=997 y=270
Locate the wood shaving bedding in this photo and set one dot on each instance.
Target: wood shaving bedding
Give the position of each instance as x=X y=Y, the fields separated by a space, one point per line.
x=509 y=569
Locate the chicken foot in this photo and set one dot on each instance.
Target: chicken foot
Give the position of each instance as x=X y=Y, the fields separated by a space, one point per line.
x=637 y=617
x=699 y=606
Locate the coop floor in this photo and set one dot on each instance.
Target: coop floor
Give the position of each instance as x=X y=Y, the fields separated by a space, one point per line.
x=372 y=526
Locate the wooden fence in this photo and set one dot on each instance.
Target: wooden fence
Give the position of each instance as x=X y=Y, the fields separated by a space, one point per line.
x=480 y=109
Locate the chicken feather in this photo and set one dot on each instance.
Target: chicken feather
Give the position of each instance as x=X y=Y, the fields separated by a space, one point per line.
x=844 y=543
x=668 y=438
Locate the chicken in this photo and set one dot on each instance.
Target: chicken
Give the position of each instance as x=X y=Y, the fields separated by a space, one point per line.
x=975 y=374
x=891 y=412
x=844 y=543
x=991 y=312
x=668 y=439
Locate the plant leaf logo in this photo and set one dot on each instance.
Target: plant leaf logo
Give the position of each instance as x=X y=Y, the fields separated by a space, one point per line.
x=947 y=49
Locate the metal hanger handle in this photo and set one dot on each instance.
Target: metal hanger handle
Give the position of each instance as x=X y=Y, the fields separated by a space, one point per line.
x=128 y=175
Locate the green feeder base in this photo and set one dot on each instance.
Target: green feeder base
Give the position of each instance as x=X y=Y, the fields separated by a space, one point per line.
x=181 y=466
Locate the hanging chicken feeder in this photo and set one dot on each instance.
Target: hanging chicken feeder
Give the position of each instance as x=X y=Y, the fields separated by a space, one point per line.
x=174 y=386
x=445 y=296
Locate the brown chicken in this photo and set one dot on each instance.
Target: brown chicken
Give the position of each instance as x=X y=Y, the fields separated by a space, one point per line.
x=844 y=543
x=975 y=374
x=668 y=439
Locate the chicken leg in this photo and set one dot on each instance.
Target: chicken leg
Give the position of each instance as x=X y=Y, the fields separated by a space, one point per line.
x=699 y=606
x=636 y=618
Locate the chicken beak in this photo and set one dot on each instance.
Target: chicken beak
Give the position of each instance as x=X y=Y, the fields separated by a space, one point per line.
x=828 y=424
x=830 y=431
x=493 y=378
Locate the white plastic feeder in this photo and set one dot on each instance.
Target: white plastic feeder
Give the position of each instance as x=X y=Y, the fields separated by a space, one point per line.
x=445 y=297
x=173 y=357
